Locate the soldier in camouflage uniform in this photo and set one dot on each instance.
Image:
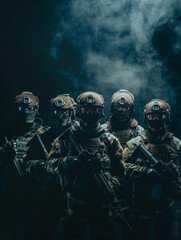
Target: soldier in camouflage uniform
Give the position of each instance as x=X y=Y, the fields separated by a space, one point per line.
x=89 y=211
x=24 y=201
x=124 y=127
x=63 y=110
x=121 y=124
x=156 y=185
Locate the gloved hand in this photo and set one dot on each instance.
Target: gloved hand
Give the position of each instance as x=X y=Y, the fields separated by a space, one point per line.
x=38 y=167
x=152 y=173
x=91 y=159
x=169 y=172
x=97 y=160
x=84 y=156
x=9 y=148
x=72 y=162
x=113 y=146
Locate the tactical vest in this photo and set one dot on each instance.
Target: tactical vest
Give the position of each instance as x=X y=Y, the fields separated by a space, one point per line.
x=87 y=188
x=124 y=135
x=22 y=145
x=164 y=151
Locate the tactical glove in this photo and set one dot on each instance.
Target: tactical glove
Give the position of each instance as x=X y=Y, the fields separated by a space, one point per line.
x=38 y=168
x=169 y=173
x=152 y=173
x=91 y=159
x=9 y=148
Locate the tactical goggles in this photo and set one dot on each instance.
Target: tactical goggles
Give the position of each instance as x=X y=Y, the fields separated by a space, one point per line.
x=25 y=108
x=122 y=109
x=156 y=117
x=90 y=110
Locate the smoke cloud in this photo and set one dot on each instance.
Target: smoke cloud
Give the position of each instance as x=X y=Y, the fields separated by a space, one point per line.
x=112 y=44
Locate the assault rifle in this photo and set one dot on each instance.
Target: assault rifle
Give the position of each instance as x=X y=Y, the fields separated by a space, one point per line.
x=21 y=148
x=16 y=160
x=99 y=176
x=136 y=146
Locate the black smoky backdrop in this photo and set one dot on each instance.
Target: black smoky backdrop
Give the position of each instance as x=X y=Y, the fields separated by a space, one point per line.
x=71 y=46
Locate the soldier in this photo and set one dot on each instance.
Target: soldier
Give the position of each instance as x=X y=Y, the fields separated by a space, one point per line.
x=24 y=199
x=156 y=185
x=124 y=127
x=121 y=124
x=80 y=160
x=63 y=110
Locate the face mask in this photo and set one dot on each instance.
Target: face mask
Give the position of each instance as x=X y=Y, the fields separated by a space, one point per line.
x=61 y=121
x=122 y=116
x=25 y=116
x=62 y=118
x=157 y=124
x=91 y=115
x=90 y=119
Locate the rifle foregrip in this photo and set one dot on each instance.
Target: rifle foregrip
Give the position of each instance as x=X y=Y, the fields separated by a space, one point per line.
x=147 y=154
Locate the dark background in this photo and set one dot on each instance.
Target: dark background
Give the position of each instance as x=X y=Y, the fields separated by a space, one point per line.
x=27 y=34
x=28 y=62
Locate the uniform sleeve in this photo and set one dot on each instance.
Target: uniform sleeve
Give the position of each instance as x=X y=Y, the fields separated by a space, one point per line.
x=55 y=166
x=177 y=146
x=114 y=151
x=59 y=148
x=131 y=169
x=56 y=159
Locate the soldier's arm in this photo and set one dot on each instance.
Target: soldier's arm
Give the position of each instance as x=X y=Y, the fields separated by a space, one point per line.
x=114 y=150
x=131 y=168
x=60 y=162
x=177 y=147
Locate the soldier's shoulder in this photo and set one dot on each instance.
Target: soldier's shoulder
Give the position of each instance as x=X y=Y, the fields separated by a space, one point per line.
x=176 y=143
x=43 y=129
x=108 y=135
x=141 y=129
x=136 y=127
x=144 y=135
x=75 y=125
x=133 y=123
x=39 y=127
x=105 y=126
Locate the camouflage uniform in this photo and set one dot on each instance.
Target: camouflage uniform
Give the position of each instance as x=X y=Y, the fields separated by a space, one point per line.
x=124 y=134
x=124 y=127
x=62 y=110
x=151 y=202
x=88 y=210
x=121 y=124
x=27 y=202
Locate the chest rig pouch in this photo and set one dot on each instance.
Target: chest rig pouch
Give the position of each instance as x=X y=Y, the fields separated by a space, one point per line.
x=124 y=135
x=85 y=185
x=163 y=151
